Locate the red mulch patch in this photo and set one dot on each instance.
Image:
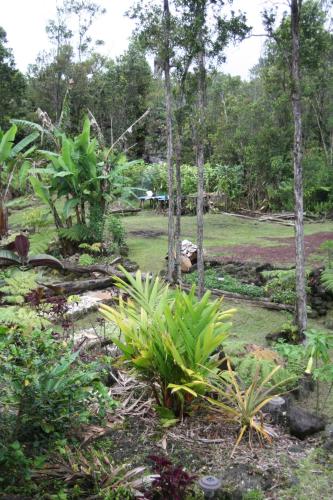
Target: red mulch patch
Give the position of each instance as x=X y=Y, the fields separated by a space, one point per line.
x=284 y=253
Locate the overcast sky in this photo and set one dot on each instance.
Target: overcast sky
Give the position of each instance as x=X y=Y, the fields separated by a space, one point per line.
x=25 y=21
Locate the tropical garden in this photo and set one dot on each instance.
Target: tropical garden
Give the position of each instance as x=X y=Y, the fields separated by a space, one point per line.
x=166 y=258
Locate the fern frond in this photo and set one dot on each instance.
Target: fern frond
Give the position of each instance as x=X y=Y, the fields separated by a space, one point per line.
x=327 y=279
x=76 y=233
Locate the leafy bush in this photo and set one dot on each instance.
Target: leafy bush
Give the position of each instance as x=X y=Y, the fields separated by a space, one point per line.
x=36 y=219
x=281 y=286
x=294 y=356
x=327 y=279
x=168 y=338
x=17 y=254
x=94 y=248
x=47 y=383
x=248 y=367
x=227 y=283
x=115 y=231
x=13 y=463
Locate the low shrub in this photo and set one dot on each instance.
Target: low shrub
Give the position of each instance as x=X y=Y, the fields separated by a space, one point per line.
x=47 y=384
x=281 y=286
x=114 y=231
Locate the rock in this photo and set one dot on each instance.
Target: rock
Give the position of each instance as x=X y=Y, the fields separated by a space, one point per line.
x=302 y=423
x=277 y=409
x=316 y=301
x=130 y=266
x=313 y=314
x=189 y=250
x=328 y=445
x=264 y=267
x=185 y=264
x=241 y=479
x=329 y=324
x=329 y=431
x=276 y=336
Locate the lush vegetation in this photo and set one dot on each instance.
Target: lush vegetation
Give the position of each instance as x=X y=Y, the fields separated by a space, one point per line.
x=109 y=407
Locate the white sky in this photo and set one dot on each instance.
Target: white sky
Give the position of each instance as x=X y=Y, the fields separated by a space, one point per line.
x=25 y=21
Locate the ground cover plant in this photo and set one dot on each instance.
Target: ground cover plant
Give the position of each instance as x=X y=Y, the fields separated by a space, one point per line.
x=222 y=281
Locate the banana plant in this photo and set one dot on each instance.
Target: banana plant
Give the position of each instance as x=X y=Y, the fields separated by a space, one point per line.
x=17 y=254
x=79 y=173
x=12 y=157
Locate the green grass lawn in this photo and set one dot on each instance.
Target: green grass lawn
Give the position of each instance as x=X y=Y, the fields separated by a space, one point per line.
x=219 y=231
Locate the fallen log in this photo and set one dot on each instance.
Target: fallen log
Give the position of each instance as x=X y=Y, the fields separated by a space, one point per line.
x=125 y=211
x=265 y=303
x=75 y=287
x=94 y=268
x=79 y=286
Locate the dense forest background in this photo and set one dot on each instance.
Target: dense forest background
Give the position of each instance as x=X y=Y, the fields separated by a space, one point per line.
x=248 y=151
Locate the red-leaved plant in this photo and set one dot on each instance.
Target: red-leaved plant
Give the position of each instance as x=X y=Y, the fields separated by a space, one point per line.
x=172 y=481
x=17 y=253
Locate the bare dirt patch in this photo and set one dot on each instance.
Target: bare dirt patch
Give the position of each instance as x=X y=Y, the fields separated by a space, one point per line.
x=283 y=253
x=148 y=233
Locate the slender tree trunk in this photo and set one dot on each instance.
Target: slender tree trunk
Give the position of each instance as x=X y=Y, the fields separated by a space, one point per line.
x=178 y=207
x=200 y=166
x=3 y=219
x=168 y=98
x=301 y=313
x=83 y=213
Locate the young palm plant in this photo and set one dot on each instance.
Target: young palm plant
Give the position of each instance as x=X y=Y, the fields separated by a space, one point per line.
x=169 y=338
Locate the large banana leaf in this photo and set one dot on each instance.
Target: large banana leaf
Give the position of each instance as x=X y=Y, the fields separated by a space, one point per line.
x=6 y=144
x=45 y=260
x=9 y=257
x=20 y=146
x=41 y=191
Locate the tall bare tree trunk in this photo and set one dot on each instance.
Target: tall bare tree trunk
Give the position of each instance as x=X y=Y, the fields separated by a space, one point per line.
x=200 y=166
x=168 y=99
x=301 y=313
x=3 y=218
x=178 y=207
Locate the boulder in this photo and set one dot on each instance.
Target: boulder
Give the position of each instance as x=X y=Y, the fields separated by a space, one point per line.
x=302 y=423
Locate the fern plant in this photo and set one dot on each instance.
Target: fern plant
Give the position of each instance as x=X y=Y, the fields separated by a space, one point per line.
x=327 y=279
x=250 y=366
x=17 y=285
x=86 y=260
